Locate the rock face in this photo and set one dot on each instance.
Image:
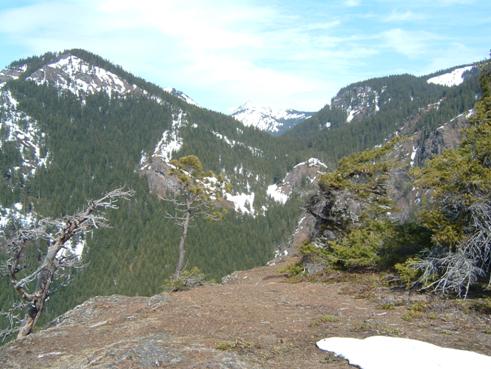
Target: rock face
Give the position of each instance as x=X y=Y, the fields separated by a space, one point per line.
x=129 y=343
x=357 y=101
x=447 y=136
x=159 y=181
x=302 y=180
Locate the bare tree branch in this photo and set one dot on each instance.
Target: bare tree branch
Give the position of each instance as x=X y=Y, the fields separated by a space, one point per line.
x=470 y=263
x=57 y=261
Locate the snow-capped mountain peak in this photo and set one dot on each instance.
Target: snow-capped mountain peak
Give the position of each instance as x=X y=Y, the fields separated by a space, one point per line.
x=69 y=72
x=267 y=119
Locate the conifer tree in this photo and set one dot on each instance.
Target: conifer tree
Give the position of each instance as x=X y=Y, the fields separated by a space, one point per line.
x=194 y=192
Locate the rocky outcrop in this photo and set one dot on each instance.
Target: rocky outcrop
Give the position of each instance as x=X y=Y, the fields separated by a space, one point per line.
x=160 y=182
x=337 y=210
x=357 y=101
x=447 y=136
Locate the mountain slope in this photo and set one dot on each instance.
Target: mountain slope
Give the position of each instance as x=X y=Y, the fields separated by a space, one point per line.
x=75 y=126
x=366 y=113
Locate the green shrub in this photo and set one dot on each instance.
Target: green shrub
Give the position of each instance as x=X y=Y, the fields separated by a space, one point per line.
x=187 y=280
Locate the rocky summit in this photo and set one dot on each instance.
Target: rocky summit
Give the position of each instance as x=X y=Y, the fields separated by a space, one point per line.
x=254 y=319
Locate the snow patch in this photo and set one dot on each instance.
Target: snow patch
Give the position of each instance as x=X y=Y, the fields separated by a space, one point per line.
x=276 y=194
x=243 y=202
x=379 y=352
x=22 y=129
x=453 y=78
x=171 y=141
x=14 y=215
x=413 y=155
x=232 y=143
x=351 y=114
x=312 y=162
x=73 y=248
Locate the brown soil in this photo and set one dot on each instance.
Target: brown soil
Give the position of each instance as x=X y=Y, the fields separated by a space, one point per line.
x=258 y=319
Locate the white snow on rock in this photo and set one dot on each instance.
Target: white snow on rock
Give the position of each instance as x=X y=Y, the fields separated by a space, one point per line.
x=243 y=202
x=81 y=78
x=276 y=194
x=453 y=78
x=171 y=141
x=265 y=118
x=11 y=73
x=379 y=352
x=181 y=95
x=312 y=162
x=22 y=129
x=351 y=114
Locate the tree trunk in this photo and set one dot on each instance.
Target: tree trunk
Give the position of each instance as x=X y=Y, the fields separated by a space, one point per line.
x=182 y=241
x=45 y=277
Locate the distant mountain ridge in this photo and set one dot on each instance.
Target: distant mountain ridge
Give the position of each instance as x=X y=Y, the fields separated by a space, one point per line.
x=266 y=119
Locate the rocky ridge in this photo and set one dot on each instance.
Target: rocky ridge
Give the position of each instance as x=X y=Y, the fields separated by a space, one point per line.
x=253 y=320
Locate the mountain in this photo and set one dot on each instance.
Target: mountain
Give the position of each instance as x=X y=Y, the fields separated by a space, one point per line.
x=181 y=95
x=266 y=119
x=365 y=114
x=73 y=126
x=415 y=206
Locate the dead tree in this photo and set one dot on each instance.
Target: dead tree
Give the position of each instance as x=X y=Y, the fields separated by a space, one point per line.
x=34 y=287
x=469 y=264
x=198 y=193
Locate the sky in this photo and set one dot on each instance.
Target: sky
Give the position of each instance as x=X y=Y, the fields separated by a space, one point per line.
x=282 y=53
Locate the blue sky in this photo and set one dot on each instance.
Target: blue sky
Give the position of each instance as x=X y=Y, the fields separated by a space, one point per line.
x=280 y=53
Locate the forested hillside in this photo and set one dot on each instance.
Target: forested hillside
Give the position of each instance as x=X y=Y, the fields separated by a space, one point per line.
x=366 y=113
x=94 y=142
x=74 y=126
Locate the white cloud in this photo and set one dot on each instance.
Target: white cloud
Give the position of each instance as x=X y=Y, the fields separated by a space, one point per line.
x=352 y=3
x=406 y=16
x=230 y=47
x=408 y=43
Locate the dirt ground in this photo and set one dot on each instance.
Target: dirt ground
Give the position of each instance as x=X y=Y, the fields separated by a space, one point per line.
x=258 y=319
